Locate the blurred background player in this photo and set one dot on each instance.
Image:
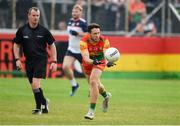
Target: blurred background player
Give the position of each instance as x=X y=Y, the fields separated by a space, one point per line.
x=77 y=27
x=34 y=39
x=93 y=46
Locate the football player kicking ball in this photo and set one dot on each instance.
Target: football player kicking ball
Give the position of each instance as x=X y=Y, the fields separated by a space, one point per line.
x=92 y=47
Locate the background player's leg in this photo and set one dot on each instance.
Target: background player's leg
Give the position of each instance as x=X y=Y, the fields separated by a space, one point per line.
x=67 y=68
x=37 y=95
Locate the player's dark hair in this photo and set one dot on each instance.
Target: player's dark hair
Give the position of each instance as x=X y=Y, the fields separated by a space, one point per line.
x=93 y=25
x=33 y=8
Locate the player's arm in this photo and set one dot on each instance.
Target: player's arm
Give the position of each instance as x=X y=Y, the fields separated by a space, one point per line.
x=53 y=65
x=85 y=53
x=53 y=52
x=50 y=41
x=84 y=30
x=75 y=33
x=81 y=34
x=17 y=43
x=16 y=50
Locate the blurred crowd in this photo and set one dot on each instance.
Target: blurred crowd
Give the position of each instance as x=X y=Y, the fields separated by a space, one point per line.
x=112 y=14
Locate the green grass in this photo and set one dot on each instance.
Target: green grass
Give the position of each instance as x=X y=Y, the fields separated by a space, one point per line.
x=133 y=102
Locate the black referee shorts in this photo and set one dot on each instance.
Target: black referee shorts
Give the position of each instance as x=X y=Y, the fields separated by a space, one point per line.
x=77 y=56
x=36 y=69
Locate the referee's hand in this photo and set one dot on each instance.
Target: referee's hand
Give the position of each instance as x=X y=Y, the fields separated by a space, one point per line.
x=53 y=66
x=18 y=65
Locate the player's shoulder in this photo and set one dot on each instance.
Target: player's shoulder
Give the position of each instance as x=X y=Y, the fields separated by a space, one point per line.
x=82 y=20
x=23 y=27
x=43 y=29
x=103 y=38
x=85 y=38
x=71 y=20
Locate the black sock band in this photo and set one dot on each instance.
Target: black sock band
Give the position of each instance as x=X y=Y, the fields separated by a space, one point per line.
x=36 y=90
x=42 y=97
x=37 y=96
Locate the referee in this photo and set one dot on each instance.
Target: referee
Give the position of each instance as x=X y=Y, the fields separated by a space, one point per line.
x=34 y=39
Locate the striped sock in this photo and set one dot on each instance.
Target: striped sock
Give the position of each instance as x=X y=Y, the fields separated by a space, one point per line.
x=93 y=106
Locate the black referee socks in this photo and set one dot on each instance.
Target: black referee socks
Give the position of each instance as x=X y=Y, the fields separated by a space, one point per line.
x=37 y=96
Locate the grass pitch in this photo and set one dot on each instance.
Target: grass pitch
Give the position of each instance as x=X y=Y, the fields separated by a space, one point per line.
x=133 y=102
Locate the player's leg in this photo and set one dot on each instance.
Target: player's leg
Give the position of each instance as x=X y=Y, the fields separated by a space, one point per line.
x=102 y=90
x=39 y=72
x=34 y=86
x=44 y=102
x=106 y=95
x=37 y=95
x=67 y=68
x=87 y=77
x=94 y=91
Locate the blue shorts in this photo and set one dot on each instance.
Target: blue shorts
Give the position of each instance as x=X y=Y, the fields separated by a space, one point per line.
x=77 y=56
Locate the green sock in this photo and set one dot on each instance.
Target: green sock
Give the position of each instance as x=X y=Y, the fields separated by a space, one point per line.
x=92 y=106
x=104 y=94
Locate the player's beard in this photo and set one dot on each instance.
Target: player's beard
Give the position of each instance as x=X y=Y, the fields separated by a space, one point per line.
x=75 y=17
x=95 y=39
x=35 y=22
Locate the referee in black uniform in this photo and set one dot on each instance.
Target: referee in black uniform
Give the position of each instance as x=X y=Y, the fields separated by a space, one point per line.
x=34 y=39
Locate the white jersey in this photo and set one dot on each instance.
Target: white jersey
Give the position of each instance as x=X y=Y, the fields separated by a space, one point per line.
x=79 y=25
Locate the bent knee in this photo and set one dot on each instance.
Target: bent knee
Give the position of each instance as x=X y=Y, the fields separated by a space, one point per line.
x=93 y=82
x=35 y=85
x=65 y=67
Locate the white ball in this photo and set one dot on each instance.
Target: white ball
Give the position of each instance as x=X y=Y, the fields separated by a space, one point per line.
x=112 y=54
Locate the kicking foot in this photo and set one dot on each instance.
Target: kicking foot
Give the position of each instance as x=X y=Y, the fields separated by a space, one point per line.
x=106 y=102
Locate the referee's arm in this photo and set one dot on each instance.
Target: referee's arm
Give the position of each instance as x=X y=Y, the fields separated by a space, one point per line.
x=53 y=52
x=16 y=49
x=53 y=65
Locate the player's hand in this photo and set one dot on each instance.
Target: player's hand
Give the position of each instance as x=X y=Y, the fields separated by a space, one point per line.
x=110 y=64
x=53 y=66
x=18 y=65
x=72 y=32
x=96 y=62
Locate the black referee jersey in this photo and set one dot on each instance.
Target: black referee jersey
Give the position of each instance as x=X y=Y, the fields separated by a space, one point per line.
x=34 y=41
